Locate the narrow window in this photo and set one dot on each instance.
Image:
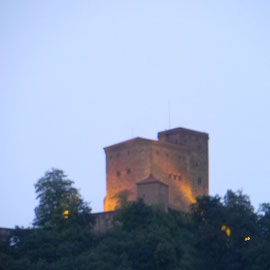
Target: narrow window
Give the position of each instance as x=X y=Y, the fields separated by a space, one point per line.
x=128 y=171
x=118 y=173
x=174 y=177
x=199 y=180
x=170 y=175
x=179 y=178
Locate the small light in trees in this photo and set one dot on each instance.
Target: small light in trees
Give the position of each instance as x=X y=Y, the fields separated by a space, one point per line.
x=226 y=229
x=65 y=214
x=247 y=238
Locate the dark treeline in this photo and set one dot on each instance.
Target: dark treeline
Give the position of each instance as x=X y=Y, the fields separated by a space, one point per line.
x=217 y=233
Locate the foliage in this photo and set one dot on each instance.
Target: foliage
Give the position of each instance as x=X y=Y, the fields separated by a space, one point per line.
x=56 y=196
x=216 y=234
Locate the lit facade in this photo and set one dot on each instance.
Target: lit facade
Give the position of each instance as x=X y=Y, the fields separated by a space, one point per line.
x=178 y=159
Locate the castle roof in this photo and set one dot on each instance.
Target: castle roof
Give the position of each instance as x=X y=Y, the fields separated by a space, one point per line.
x=160 y=142
x=183 y=130
x=151 y=180
x=131 y=141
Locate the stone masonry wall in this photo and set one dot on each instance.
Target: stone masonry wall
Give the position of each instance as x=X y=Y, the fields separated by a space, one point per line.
x=103 y=221
x=179 y=159
x=154 y=194
x=171 y=166
x=5 y=234
x=191 y=150
x=126 y=164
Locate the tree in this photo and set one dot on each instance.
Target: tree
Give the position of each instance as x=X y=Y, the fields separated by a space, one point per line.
x=62 y=226
x=59 y=202
x=217 y=234
x=227 y=233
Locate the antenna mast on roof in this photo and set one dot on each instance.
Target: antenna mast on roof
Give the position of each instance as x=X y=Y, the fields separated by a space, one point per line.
x=169 y=114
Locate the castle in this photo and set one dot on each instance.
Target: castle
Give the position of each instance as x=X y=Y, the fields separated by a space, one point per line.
x=170 y=172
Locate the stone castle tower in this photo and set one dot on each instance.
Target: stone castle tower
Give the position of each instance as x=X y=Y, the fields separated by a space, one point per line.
x=171 y=171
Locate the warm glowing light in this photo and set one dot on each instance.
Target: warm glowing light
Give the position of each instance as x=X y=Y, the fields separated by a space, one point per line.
x=114 y=197
x=187 y=192
x=65 y=214
x=247 y=238
x=110 y=203
x=226 y=229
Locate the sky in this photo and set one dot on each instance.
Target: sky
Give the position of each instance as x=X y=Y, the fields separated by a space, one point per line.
x=77 y=76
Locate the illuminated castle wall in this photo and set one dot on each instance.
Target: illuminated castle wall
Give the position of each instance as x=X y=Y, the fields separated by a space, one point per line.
x=178 y=160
